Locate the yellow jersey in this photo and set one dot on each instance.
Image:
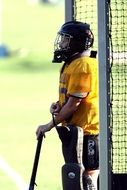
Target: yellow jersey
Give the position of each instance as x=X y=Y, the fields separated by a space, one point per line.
x=78 y=78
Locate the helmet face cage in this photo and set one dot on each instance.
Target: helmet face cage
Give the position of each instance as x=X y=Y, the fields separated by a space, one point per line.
x=62 y=42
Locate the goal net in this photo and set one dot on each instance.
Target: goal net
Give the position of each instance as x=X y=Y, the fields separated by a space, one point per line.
x=118 y=80
x=86 y=11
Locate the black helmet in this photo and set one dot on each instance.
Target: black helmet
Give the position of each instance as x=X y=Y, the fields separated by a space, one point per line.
x=74 y=37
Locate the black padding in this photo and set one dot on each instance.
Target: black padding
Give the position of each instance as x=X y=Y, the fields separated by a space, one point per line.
x=119 y=181
x=91 y=152
x=93 y=54
x=71 y=176
x=69 y=137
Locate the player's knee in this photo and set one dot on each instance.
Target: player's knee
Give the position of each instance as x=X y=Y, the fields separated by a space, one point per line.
x=88 y=183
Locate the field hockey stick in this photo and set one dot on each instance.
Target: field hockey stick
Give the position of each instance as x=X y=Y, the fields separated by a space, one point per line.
x=35 y=165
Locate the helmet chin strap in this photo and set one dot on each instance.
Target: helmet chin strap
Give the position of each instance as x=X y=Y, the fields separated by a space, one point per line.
x=59 y=57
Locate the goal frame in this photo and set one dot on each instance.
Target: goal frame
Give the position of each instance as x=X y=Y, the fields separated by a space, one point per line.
x=104 y=87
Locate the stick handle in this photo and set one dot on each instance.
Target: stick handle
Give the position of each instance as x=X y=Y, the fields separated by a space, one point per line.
x=35 y=165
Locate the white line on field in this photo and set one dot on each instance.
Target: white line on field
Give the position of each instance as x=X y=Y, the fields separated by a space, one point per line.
x=16 y=178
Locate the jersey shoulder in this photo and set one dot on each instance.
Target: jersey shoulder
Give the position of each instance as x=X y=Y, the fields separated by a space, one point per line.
x=83 y=64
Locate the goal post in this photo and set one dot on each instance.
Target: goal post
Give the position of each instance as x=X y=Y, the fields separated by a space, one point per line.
x=104 y=95
x=69 y=10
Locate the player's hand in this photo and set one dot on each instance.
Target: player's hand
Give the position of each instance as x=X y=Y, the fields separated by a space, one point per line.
x=55 y=108
x=42 y=129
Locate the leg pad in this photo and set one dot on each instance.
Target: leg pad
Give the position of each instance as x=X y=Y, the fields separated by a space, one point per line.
x=71 y=176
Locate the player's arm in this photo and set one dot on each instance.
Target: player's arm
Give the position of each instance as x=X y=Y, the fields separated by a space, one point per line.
x=66 y=111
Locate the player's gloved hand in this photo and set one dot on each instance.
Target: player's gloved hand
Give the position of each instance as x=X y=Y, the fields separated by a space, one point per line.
x=55 y=108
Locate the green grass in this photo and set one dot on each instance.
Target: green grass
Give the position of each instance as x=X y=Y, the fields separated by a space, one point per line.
x=28 y=85
x=25 y=100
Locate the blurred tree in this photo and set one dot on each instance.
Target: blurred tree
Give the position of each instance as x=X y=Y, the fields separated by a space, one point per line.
x=44 y=1
x=50 y=1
